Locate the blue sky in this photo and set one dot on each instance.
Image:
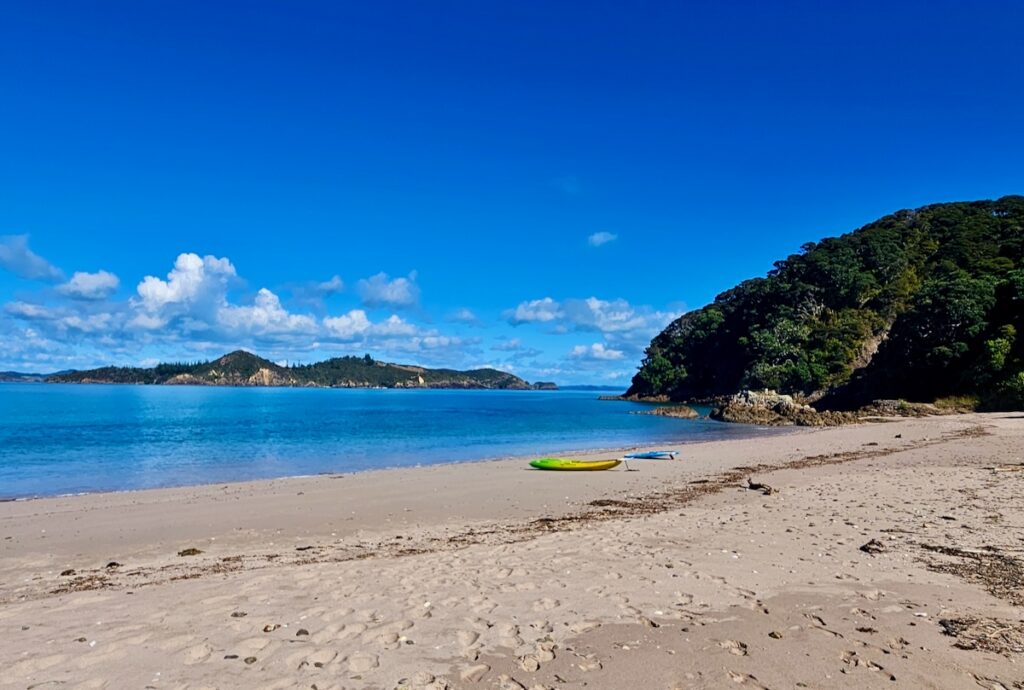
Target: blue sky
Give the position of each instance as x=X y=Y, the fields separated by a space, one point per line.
x=535 y=186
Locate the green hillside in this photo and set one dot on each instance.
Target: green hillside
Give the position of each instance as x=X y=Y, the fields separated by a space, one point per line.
x=242 y=368
x=921 y=304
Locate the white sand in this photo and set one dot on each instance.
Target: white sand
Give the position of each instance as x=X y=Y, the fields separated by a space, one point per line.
x=490 y=575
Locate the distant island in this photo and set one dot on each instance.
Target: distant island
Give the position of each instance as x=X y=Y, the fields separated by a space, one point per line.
x=21 y=377
x=241 y=368
x=924 y=305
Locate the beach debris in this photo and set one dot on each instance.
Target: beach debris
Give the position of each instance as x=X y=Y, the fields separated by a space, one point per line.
x=249 y=660
x=985 y=634
x=873 y=547
x=192 y=551
x=67 y=573
x=112 y=564
x=775 y=635
x=271 y=627
x=230 y=656
x=760 y=486
x=239 y=614
x=1000 y=574
x=303 y=548
x=301 y=632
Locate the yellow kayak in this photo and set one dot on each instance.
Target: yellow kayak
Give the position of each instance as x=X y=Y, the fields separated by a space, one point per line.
x=566 y=464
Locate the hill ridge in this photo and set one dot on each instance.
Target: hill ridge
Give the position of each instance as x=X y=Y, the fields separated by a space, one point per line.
x=921 y=304
x=243 y=368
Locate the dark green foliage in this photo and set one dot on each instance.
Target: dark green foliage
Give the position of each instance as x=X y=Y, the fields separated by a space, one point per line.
x=242 y=368
x=938 y=292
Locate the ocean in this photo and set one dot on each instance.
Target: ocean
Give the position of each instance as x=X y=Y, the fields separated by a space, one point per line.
x=65 y=439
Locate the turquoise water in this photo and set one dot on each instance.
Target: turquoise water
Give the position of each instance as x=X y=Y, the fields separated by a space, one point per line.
x=59 y=439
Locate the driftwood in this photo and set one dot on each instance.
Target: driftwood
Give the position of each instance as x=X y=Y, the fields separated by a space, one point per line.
x=759 y=486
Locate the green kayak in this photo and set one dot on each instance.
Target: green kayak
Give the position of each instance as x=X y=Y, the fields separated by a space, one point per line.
x=578 y=465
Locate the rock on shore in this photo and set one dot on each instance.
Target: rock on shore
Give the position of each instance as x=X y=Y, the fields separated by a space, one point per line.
x=769 y=408
x=678 y=411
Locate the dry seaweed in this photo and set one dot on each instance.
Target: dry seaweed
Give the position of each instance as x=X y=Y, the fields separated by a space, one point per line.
x=986 y=634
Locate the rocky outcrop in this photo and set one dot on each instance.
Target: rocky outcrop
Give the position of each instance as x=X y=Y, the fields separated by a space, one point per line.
x=636 y=398
x=677 y=411
x=768 y=408
x=902 y=408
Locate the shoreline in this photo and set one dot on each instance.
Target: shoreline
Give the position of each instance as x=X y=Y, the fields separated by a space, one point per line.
x=588 y=453
x=461 y=577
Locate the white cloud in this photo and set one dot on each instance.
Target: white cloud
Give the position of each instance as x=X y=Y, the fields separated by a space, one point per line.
x=599 y=238
x=147 y=322
x=394 y=325
x=348 y=326
x=90 y=323
x=510 y=345
x=16 y=257
x=435 y=342
x=593 y=314
x=380 y=291
x=266 y=316
x=26 y=310
x=355 y=325
x=331 y=287
x=516 y=350
x=596 y=351
x=465 y=316
x=91 y=286
x=535 y=311
x=192 y=280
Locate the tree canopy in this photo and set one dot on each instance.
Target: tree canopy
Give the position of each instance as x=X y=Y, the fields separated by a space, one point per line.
x=920 y=304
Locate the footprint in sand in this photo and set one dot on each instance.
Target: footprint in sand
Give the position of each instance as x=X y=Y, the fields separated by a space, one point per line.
x=197 y=654
x=321 y=657
x=485 y=607
x=350 y=630
x=173 y=644
x=27 y=667
x=251 y=646
x=388 y=629
x=467 y=637
x=361 y=662
x=542 y=626
x=546 y=604
x=746 y=679
x=734 y=647
x=388 y=640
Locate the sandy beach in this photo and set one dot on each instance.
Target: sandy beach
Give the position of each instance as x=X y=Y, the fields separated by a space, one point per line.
x=869 y=556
